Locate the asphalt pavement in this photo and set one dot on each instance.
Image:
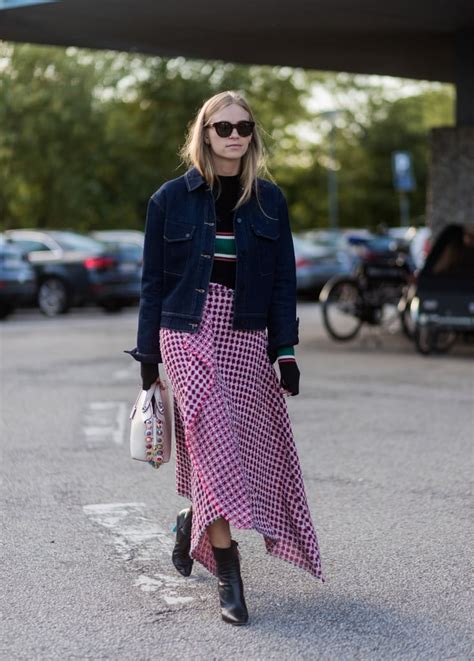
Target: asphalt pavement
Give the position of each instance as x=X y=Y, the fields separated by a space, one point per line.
x=385 y=442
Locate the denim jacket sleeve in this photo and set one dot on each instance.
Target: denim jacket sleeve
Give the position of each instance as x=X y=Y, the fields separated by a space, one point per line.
x=149 y=315
x=282 y=322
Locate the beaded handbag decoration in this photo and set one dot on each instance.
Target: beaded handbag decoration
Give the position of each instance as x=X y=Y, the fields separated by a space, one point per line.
x=150 y=429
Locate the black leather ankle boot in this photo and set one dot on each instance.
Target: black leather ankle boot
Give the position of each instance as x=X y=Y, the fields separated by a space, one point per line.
x=180 y=556
x=230 y=587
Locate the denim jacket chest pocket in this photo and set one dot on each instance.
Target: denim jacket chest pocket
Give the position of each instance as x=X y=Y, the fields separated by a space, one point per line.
x=266 y=235
x=178 y=240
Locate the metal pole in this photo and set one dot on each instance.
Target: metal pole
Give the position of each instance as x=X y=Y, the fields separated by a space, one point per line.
x=404 y=209
x=332 y=179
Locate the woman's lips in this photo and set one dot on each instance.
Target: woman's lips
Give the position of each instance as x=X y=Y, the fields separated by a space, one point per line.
x=233 y=146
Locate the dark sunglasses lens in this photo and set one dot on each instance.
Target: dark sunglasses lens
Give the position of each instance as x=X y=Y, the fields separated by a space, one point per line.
x=244 y=129
x=223 y=129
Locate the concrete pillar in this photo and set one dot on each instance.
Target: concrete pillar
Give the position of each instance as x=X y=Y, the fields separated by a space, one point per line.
x=451 y=178
x=450 y=197
x=464 y=54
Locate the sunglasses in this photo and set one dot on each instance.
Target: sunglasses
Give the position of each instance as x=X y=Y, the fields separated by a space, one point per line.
x=224 y=129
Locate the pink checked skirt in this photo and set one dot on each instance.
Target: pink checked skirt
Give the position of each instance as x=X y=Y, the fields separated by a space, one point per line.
x=235 y=453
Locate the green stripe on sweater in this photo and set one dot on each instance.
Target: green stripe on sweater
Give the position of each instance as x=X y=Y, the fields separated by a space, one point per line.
x=225 y=246
x=286 y=353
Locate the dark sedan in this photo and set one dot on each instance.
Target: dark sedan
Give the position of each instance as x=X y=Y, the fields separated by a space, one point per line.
x=73 y=269
x=318 y=263
x=17 y=279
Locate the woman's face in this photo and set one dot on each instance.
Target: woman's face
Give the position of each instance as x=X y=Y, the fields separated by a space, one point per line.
x=226 y=150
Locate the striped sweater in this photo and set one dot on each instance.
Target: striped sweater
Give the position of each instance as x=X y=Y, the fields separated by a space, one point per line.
x=225 y=254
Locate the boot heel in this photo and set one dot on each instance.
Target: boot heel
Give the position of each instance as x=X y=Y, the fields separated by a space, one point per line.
x=180 y=555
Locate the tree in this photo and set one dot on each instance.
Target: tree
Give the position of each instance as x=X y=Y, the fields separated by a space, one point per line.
x=87 y=136
x=50 y=143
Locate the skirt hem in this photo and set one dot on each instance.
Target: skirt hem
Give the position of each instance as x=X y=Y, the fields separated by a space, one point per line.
x=265 y=536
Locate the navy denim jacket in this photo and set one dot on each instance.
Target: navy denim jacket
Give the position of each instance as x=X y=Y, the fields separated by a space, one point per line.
x=177 y=263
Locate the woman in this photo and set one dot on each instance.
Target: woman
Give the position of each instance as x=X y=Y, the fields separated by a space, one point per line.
x=218 y=308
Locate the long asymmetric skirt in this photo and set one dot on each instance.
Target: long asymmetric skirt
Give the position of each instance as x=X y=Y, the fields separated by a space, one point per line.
x=235 y=452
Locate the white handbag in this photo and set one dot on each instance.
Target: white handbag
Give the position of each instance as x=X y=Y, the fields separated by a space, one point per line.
x=150 y=429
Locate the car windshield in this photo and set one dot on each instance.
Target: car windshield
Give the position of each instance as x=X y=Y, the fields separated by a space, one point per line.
x=73 y=241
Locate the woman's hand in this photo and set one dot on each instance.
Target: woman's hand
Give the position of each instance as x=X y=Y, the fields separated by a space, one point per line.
x=149 y=373
x=290 y=377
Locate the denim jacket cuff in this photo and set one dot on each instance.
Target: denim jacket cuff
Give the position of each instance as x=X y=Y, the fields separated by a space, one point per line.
x=144 y=357
x=288 y=336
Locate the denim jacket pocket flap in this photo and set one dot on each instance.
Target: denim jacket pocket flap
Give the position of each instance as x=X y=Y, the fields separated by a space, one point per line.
x=176 y=231
x=270 y=231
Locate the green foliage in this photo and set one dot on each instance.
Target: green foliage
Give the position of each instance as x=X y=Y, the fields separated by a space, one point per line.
x=366 y=166
x=48 y=142
x=86 y=137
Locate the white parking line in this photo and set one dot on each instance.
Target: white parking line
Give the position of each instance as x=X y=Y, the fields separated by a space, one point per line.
x=167 y=587
x=137 y=539
x=105 y=422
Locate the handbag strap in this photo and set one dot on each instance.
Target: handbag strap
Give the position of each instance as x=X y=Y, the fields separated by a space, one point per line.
x=150 y=393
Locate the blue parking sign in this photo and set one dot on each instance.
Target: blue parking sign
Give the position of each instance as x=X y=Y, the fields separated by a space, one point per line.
x=402 y=171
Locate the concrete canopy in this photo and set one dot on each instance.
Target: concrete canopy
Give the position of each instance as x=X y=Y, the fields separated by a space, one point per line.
x=414 y=39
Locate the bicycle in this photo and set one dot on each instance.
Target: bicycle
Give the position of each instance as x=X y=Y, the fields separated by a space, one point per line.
x=372 y=295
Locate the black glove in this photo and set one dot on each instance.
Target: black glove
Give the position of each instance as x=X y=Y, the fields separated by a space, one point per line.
x=149 y=373
x=272 y=354
x=290 y=377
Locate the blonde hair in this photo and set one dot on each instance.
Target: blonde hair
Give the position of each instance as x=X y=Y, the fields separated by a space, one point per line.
x=196 y=152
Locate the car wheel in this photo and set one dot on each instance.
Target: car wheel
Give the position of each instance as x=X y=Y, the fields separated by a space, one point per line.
x=443 y=341
x=424 y=340
x=5 y=310
x=53 y=297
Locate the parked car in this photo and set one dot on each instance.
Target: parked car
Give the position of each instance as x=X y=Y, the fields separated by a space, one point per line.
x=402 y=232
x=316 y=264
x=442 y=304
x=130 y=237
x=17 y=279
x=73 y=269
x=126 y=242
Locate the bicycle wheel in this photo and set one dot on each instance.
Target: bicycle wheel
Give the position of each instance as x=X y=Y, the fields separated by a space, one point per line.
x=341 y=306
x=406 y=321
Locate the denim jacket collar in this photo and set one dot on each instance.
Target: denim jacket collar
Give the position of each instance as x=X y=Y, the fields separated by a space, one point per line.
x=194 y=179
